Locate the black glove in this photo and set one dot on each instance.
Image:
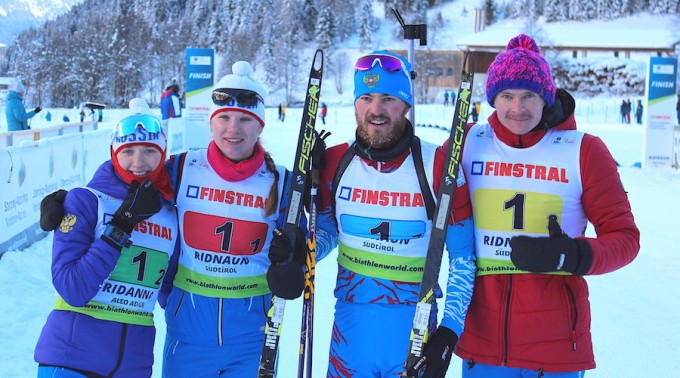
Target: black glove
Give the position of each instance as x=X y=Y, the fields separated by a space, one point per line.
x=281 y=249
x=438 y=352
x=52 y=210
x=37 y=110
x=318 y=148
x=285 y=276
x=318 y=162
x=286 y=280
x=558 y=252
x=141 y=203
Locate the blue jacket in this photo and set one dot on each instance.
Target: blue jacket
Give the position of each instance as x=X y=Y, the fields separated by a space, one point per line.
x=17 y=117
x=170 y=106
x=80 y=263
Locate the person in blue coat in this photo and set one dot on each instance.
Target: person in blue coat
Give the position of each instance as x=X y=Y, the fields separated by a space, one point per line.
x=109 y=256
x=170 y=103
x=17 y=117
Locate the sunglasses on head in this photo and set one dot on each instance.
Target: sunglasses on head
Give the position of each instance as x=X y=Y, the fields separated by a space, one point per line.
x=130 y=124
x=387 y=62
x=242 y=98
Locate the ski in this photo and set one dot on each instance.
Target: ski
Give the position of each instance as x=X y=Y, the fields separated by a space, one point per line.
x=426 y=297
x=295 y=207
x=307 y=327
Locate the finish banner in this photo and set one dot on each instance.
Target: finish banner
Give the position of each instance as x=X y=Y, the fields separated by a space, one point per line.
x=200 y=69
x=660 y=92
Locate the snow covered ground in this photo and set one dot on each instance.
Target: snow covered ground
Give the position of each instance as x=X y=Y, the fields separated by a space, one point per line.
x=635 y=310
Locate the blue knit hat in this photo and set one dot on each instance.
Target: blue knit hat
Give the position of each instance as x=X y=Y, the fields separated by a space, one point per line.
x=378 y=80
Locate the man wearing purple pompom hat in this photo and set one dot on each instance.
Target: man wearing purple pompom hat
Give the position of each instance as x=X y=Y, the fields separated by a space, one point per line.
x=535 y=183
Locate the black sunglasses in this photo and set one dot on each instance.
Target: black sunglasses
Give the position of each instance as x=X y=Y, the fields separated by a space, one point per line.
x=242 y=98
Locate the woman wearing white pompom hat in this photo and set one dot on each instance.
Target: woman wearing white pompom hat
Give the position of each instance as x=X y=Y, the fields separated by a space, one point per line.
x=229 y=199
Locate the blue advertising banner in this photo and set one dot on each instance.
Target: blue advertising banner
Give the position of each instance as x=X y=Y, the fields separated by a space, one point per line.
x=661 y=92
x=200 y=69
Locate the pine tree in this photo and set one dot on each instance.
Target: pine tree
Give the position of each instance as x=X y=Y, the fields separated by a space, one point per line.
x=309 y=19
x=556 y=11
x=588 y=10
x=345 y=15
x=489 y=12
x=325 y=30
x=366 y=22
x=419 y=9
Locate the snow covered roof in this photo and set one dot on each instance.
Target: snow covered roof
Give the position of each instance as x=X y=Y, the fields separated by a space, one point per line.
x=642 y=32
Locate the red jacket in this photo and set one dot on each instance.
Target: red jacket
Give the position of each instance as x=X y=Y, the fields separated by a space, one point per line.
x=539 y=321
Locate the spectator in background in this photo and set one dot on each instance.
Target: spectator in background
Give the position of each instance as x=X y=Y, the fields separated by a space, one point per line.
x=324 y=111
x=474 y=111
x=638 y=112
x=170 y=104
x=446 y=98
x=282 y=111
x=622 y=110
x=48 y=116
x=677 y=109
x=17 y=117
x=629 y=107
x=65 y=118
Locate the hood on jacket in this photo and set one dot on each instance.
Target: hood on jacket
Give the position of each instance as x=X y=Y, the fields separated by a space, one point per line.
x=559 y=113
x=12 y=95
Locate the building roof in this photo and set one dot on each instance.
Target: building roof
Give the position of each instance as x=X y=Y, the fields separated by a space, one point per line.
x=642 y=32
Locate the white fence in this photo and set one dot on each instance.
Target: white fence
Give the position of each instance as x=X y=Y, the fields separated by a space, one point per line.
x=34 y=163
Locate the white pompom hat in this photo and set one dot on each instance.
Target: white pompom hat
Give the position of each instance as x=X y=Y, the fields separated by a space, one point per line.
x=241 y=78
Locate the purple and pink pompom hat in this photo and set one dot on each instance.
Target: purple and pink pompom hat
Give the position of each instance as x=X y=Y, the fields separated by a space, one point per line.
x=521 y=66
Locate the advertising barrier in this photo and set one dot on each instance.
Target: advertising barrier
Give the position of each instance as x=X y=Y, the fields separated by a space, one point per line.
x=34 y=169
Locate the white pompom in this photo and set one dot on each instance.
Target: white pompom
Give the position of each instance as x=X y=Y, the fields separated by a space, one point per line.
x=138 y=104
x=242 y=68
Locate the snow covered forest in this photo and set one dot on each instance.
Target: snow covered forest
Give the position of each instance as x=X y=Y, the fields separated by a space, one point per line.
x=112 y=50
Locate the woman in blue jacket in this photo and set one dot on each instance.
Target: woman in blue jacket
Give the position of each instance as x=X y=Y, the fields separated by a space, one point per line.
x=109 y=256
x=17 y=117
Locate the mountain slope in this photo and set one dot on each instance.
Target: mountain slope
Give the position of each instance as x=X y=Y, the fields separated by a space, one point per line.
x=19 y=15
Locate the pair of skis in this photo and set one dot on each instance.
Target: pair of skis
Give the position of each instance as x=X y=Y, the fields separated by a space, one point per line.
x=426 y=297
x=301 y=173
